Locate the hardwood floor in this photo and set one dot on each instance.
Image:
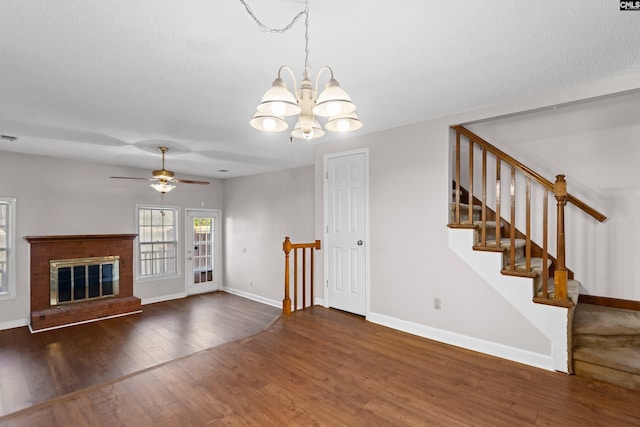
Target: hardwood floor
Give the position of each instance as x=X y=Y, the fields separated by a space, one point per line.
x=326 y=367
x=38 y=367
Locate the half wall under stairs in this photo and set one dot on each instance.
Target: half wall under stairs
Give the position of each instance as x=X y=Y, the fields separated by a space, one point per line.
x=553 y=322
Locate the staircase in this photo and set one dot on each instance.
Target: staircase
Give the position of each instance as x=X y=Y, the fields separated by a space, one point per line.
x=606 y=344
x=515 y=262
x=509 y=207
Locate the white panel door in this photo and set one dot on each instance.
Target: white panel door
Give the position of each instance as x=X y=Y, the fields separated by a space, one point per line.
x=346 y=232
x=202 y=251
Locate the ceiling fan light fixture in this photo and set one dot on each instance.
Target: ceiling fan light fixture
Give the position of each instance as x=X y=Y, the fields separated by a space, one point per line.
x=163 y=186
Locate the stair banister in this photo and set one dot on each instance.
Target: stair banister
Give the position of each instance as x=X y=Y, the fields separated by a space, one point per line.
x=286 y=302
x=526 y=170
x=287 y=247
x=561 y=274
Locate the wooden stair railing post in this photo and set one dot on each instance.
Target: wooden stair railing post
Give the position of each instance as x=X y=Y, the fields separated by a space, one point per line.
x=289 y=306
x=286 y=302
x=560 y=274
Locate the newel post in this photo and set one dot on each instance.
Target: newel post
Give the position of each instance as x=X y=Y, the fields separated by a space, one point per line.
x=560 y=275
x=286 y=302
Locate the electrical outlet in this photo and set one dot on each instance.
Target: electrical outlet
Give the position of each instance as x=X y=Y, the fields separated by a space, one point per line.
x=437 y=303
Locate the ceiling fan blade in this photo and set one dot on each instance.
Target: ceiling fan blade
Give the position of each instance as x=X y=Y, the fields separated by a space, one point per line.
x=130 y=177
x=190 y=181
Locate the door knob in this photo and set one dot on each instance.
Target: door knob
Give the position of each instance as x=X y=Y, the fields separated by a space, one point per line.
x=359 y=242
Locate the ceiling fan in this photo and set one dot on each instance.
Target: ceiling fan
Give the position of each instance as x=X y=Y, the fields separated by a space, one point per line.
x=164 y=180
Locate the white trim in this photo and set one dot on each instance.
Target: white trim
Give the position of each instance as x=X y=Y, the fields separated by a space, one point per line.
x=318 y=301
x=136 y=243
x=325 y=214
x=216 y=216
x=526 y=357
x=163 y=298
x=14 y=324
x=252 y=297
x=12 y=264
x=35 y=331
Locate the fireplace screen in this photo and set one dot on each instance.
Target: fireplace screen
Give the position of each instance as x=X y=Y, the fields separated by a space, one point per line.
x=82 y=279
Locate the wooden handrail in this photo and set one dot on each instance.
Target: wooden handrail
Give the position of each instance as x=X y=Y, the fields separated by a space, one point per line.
x=515 y=263
x=526 y=170
x=287 y=246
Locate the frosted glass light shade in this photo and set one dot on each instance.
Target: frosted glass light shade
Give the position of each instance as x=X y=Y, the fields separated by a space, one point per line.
x=268 y=123
x=346 y=123
x=333 y=101
x=163 y=186
x=307 y=129
x=278 y=101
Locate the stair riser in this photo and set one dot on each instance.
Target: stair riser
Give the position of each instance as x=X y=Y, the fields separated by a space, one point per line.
x=464 y=214
x=602 y=373
x=506 y=257
x=582 y=340
x=490 y=234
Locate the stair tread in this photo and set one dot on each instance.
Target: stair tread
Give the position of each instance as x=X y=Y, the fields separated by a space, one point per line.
x=491 y=224
x=599 y=320
x=573 y=290
x=625 y=359
x=506 y=243
x=535 y=264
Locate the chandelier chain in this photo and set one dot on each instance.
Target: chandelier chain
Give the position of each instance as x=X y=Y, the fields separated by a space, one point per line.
x=266 y=29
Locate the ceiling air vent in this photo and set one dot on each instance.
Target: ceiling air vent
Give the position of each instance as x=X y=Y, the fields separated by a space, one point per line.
x=8 y=138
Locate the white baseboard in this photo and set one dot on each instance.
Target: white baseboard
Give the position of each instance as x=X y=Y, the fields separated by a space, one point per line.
x=543 y=361
x=14 y=324
x=203 y=289
x=163 y=298
x=318 y=301
x=253 y=297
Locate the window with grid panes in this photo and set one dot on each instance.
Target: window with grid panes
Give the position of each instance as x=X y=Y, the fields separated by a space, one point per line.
x=7 y=244
x=157 y=241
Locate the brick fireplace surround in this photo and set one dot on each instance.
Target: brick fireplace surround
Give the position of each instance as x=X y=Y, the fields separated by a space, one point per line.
x=47 y=248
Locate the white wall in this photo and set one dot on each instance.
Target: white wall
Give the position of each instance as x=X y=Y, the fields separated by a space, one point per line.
x=260 y=210
x=56 y=196
x=595 y=144
x=410 y=260
x=411 y=263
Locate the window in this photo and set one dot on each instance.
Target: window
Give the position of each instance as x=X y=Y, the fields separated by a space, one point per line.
x=7 y=245
x=157 y=241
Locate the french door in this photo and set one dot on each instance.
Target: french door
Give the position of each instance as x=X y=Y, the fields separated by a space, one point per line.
x=202 y=261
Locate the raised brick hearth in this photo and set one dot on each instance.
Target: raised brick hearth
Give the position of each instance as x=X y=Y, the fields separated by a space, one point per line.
x=47 y=248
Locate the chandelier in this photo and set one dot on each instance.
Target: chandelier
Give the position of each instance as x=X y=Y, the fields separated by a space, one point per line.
x=305 y=102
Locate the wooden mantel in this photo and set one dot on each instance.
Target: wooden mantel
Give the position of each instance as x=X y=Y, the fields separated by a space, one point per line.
x=44 y=249
x=79 y=237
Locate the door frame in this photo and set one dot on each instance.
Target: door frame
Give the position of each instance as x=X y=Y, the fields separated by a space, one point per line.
x=325 y=222
x=217 y=252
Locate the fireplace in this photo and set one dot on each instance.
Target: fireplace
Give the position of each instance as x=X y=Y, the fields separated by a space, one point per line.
x=83 y=279
x=80 y=278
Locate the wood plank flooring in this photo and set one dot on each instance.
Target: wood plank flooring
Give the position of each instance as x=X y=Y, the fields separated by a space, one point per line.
x=328 y=368
x=38 y=367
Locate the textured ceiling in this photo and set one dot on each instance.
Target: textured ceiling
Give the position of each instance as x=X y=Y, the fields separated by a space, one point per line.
x=111 y=80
